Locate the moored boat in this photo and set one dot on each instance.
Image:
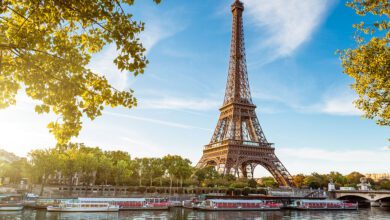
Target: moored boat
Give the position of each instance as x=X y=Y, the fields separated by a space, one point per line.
x=43 y=203
x=30 y=200
x=83 y=207
x=10 y=203
x=131 y=203
x=11 y=207
x=191 y=204
x=307 y=204
x=237 y=205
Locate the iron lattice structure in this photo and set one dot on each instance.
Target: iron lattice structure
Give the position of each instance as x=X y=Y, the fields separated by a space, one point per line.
x=238 y=144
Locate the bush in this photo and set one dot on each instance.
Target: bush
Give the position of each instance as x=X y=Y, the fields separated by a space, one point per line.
x=141 y=189
x=238 y=185
x=246 y=191
x=237 y=192
x=230 y=191
x=252 y=183
x=151 y=189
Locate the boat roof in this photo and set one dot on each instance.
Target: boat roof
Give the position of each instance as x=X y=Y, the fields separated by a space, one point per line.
x=320 y=201
x=31 y=195
x=53 y=199
x=10 y=195
x=111 y=199
x=235 y=200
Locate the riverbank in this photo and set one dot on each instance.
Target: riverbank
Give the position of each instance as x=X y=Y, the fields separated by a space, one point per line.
x=180 y=213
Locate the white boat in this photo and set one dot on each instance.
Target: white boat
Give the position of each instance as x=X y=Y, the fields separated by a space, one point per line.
x=11 y=207
x=10 y=203
x=83 y=207
x=131 y=203
x=237 y=205
x=308 y=204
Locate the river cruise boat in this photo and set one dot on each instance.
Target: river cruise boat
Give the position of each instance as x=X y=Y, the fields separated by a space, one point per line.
x=191 y=204
x=83 y=207
x=131 y=203
x=307 y=204
x=43 y=203
x=30 y=200
x=11 y=203
x=237 y=205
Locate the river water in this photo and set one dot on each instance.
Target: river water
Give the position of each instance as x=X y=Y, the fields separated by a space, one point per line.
x=179 y=213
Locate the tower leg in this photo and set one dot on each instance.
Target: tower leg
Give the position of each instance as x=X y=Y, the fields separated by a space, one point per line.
x=244 y=171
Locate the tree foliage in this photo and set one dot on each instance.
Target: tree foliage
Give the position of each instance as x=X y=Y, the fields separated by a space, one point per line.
x=44 y=163
x=369 y=63
x=78 y=164
x=45 y=47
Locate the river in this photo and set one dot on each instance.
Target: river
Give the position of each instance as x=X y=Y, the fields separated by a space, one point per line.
x=179 y=213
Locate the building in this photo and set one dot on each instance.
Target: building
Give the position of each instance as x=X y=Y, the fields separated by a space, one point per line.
x=378 y=176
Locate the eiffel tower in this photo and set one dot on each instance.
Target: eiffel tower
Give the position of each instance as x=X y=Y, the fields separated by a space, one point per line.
x=238 y=144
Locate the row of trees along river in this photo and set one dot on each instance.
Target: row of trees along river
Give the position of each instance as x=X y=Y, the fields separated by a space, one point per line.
x=93 y=166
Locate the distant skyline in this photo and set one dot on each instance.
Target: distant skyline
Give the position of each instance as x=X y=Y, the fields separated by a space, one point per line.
x=304 y=101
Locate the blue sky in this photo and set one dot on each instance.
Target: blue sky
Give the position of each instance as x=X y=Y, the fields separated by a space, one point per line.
x=304 y=101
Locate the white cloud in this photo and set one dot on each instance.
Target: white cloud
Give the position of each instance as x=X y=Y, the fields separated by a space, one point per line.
x=156 y=30
x=334 y=101
x=155 y=121
x=337 y=101
x=180 y=104
x=308 y=160
x=144 y=148
x=287 y=24
x=340 y=105
x=103 y=63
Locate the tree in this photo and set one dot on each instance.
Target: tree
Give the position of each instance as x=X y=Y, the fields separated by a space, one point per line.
x=338 y=178
x=44 y=163
x=369 y=62
x=104 y=171
x=154 y=169
x=176 y=167
x=158 y=169
x=122 y=167
x=384 y=184
x=16 y=170
x=45 y=47
x=88 y=163
x=68 y=163
x=142 y=167
x=183 y=169
x=268 y=182
x=298 y=180
x=122 y=171
x=316 y=181
x=354 y=178
x=209 y=173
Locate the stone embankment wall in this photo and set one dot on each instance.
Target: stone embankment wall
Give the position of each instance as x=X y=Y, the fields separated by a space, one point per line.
x=126 y=191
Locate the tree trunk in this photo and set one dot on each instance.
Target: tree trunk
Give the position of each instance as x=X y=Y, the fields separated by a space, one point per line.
x=151 y=181
x=70 y=185
x=42 y=185
x=170 y=186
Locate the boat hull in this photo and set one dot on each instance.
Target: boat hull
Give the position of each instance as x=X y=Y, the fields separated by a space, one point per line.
x=144 y=208
x=236 y=209
x=11 y=208
x=75 y=209
x=323 y=209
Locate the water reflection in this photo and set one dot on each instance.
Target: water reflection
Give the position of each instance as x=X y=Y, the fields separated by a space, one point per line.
x=178 y=213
